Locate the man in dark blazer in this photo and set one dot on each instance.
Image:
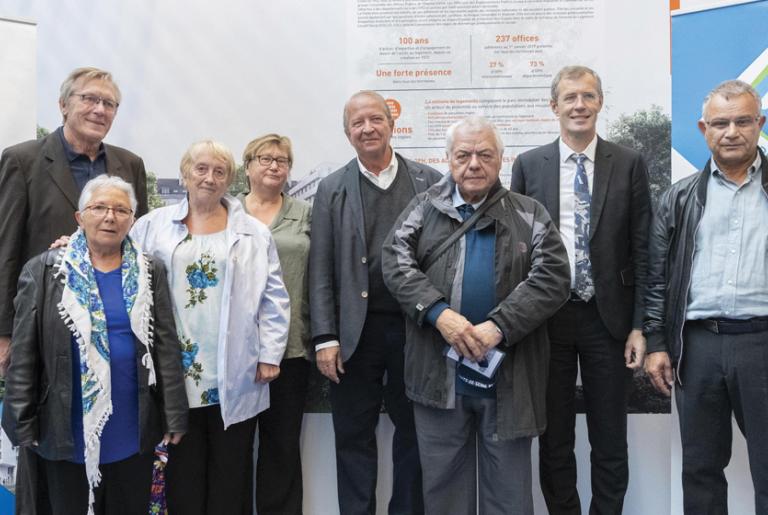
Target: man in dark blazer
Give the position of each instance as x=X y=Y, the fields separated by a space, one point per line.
x=358 y=331
x=597 y=193
x=40 y=183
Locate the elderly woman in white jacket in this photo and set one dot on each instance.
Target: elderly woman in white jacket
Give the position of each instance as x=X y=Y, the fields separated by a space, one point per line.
x=232 y=314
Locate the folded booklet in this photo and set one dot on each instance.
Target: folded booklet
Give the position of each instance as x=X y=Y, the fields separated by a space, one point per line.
x=486 y=366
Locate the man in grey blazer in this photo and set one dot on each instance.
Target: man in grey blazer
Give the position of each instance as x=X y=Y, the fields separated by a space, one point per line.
x=597 y=194
x=358 y=331
x=40 y=183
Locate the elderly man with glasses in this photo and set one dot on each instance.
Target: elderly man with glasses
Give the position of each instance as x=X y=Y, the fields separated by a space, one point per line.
x=41 y=180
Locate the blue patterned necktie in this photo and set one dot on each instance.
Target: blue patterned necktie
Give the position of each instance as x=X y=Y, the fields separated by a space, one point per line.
x=584 y=286
x=465 y=210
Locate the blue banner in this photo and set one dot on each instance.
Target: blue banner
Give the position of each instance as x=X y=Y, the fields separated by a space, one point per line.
x=708 y=47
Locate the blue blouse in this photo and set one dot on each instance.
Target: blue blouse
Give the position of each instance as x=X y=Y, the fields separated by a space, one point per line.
x=120 y=438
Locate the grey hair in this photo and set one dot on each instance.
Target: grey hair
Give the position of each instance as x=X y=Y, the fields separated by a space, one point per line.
x=365 y=93
x=87 y=74
x=574 y=72
x=730 y=89
x=475 y=123
x=106 y=182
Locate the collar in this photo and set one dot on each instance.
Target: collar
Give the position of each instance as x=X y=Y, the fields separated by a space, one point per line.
x=289 y=209
x=753 y=168
x=566 y=152
x=237 y=220
x=458 y=200
x=391 y=167
x=71 y=153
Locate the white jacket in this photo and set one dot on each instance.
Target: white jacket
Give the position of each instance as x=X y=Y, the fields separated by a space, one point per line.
x=255 y=311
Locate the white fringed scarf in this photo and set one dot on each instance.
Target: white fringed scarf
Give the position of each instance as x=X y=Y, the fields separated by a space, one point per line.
x=82 y=310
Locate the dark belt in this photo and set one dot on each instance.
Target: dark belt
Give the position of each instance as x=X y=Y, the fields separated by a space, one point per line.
x=733 y=326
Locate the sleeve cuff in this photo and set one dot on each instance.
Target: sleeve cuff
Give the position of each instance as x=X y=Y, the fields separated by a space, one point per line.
x=435 y=311
x=326 y=345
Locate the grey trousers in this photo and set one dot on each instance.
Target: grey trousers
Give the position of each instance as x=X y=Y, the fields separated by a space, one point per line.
x=462 y=456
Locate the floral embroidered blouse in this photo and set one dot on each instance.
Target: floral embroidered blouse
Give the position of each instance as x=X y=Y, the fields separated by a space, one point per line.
x=199 y=265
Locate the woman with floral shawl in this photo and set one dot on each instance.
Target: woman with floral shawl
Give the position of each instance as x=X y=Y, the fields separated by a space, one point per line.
x=96 y=377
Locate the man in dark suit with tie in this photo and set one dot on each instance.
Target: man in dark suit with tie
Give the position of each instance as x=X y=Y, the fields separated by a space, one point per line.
x=40 y=183
x=358 y=329
x=597 y=193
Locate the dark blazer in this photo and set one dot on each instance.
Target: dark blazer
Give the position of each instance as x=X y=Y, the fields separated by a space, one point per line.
x=338 y=270
x=619 y=221
x=38 y=199
x=38 y=396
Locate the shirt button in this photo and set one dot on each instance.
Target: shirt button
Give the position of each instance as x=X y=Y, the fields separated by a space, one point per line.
x=727 y=312
x=733 y=251
x=364 y=259
x=730 y=282
x=364 y=294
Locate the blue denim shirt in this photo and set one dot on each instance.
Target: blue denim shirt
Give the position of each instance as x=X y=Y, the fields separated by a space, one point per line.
x=729 y=278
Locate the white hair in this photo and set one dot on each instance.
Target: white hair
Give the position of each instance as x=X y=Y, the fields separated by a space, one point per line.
x=476 y=123
x=106 y=182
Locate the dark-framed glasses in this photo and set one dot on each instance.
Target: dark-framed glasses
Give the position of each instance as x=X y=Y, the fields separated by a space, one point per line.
x=101 y=210
x=94 y=100
x=282 y=162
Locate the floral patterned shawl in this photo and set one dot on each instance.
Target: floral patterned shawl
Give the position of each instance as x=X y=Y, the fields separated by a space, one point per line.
x=82 y=310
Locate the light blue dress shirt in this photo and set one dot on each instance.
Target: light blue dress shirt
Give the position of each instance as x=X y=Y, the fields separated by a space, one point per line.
x=729 y=278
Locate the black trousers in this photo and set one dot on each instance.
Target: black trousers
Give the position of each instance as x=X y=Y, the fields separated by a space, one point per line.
x=375 y=373
x=722 y=375
x=31 y=484
x=579 y=337
x=124 y=488
x=278 y=469
x=211 y=471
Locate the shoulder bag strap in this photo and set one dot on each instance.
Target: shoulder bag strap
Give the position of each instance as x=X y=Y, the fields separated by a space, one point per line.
x=461 y=229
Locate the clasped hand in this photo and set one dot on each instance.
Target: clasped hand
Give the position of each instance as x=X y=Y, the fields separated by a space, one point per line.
x=468 y=340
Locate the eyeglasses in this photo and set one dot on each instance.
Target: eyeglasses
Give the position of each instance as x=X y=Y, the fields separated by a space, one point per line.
x=282 y=162
x=94 y=100
x=484 y=156
x=721 y=124
x=202 y=170
x=100 y=211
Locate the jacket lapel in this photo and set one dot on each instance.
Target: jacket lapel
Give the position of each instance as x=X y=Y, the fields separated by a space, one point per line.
x=58 y=168
x=114 y=166
x=416 y=175
x=550 y=177
x=602 y=176
x=352 y=187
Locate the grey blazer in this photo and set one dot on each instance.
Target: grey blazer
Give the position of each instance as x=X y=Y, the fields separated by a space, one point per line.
x=338 y=270
x=618 y=233
x=38 y=200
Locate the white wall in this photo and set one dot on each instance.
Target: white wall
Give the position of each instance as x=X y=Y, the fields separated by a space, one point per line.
x=17 y=123
x=18 y=85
